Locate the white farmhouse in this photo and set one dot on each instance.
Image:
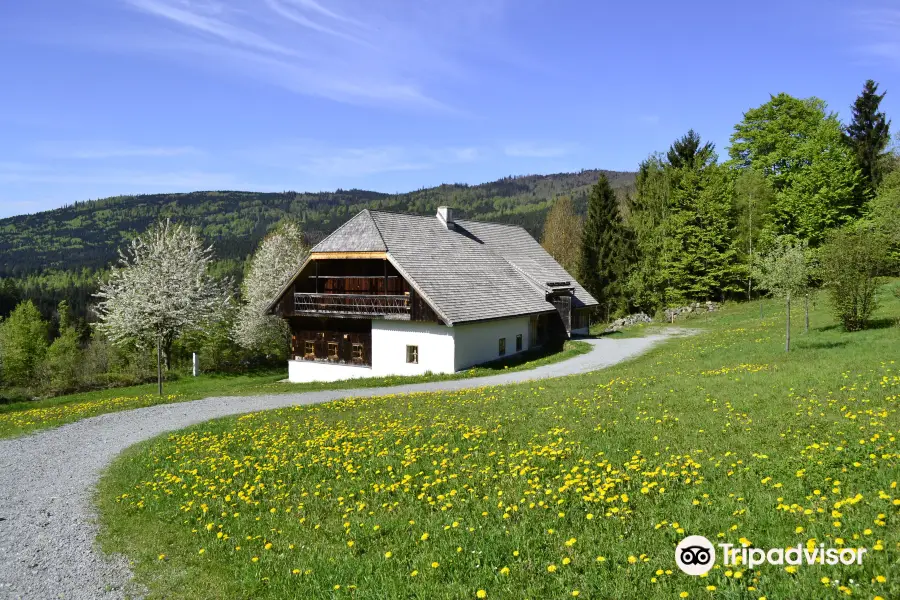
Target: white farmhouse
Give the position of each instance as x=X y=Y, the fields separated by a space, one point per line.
x=396 y=294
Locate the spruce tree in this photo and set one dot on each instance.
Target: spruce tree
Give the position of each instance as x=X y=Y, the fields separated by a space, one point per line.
x=869 y=133
x=689 y=152
x=601 y=244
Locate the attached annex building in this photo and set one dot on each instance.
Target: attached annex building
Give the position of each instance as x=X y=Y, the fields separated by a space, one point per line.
x=396 y=294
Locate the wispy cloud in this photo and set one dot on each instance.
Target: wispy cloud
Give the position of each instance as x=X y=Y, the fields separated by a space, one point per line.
x=129 y=178
x=191 y=17
x=403 y=53
x=327 y=161
x=881 y=27
x=537 y=150
x=100 y=150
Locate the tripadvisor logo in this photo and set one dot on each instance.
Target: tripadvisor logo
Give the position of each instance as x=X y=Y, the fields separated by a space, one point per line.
x=695 y=555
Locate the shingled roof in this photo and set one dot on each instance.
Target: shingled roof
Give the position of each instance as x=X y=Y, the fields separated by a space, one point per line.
x=468 y=272
x=359 y=234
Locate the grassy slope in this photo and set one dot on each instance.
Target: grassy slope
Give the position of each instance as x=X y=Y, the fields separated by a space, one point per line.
x=721 y=434
x=24 y=417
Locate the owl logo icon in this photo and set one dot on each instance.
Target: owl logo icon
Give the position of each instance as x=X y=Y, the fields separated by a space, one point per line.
x=695 y=555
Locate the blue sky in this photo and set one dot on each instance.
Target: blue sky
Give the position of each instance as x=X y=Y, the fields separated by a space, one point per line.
x=106 y=97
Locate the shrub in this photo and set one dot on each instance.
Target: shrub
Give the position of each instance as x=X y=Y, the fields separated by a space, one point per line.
x=63 y=368
x=851 y=261
x=23 y=344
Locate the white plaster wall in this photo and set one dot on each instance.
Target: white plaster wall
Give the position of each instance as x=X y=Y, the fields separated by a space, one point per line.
x=302 y=371
x=480 y=342
x=389 y=341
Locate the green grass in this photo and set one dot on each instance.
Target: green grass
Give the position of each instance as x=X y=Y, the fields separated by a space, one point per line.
x=23 y=417
x=720 y=434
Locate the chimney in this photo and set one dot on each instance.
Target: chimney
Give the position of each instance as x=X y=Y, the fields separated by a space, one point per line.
x=445 y=216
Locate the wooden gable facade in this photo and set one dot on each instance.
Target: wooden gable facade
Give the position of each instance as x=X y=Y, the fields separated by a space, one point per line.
x=329 y=305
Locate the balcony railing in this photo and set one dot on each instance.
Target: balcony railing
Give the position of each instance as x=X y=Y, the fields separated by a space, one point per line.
x=353 y=304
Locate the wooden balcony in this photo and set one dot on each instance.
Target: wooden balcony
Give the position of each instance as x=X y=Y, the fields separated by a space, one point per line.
x=353 y=305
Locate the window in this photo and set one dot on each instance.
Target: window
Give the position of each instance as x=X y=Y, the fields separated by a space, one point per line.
x=412 y=354
x=309 y=348
x=333 y=350
x=357 y=352
x=502 y=346
x=519 y=343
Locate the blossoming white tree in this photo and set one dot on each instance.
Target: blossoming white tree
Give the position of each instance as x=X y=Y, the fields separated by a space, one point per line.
x=276 y=260
x=160 y=289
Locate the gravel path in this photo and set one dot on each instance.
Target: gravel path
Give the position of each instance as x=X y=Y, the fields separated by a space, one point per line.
x=47 y=521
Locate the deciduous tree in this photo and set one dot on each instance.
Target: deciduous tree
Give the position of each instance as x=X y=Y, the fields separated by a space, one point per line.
x=562 y=233
x=160 y=288
x=64 y=365
x=277 y=259
x=801 y=149
x=23 y=344
x=753 y=195
x=884 y=214
x=783 y=271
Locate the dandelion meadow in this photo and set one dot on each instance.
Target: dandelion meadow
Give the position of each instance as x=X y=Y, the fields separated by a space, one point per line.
x=24 y=417
x=576 y=487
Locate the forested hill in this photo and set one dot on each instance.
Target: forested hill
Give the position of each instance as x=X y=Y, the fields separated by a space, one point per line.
x=86 y=235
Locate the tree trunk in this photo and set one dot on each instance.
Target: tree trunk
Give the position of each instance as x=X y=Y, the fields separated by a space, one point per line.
x=787 y=339
x=807 y=313
x=167 y=354
x=159 y=378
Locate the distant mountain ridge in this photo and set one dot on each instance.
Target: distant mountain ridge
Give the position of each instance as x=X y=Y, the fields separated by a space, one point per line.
x=86 y=235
